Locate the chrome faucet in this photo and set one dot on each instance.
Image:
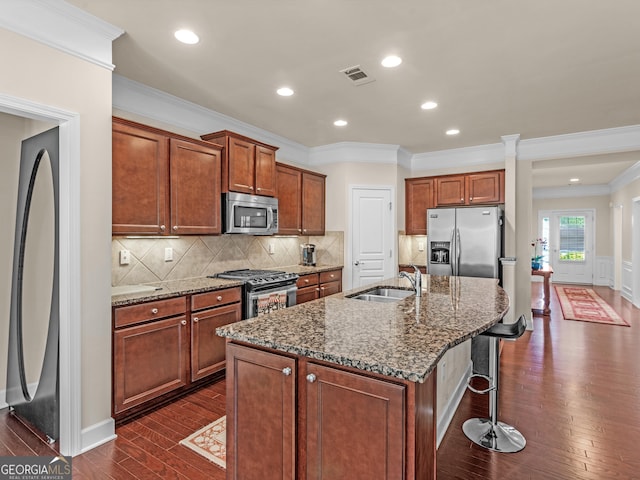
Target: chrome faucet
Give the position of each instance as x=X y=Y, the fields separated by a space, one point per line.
x=416 y=281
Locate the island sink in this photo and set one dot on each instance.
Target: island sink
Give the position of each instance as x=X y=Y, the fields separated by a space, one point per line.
x=384 y=294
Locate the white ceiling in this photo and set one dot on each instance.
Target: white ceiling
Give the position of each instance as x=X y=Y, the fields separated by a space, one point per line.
x=496 y=67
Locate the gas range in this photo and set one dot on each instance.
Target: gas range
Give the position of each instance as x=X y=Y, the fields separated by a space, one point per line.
x=264 y=290
x=256 y=279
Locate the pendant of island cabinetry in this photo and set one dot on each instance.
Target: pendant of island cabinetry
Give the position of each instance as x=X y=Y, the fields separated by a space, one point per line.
x=465 y=189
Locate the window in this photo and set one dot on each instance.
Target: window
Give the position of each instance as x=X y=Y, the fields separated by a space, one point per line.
x=545 y=235
x=572 y=247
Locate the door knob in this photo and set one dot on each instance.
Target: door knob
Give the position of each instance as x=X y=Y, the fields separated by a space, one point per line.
x=356 y=263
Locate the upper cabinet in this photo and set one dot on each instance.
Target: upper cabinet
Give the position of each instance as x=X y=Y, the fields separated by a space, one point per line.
x=248 y=166
x=478 y=188
x=301 y=201
x=163 y=183
x=418 y=198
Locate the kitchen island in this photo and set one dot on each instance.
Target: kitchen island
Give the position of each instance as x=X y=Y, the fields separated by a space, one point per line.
x=346 y=388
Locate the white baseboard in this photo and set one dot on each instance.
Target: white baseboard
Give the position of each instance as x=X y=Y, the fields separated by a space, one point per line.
x=444 y=418
x=97 y=434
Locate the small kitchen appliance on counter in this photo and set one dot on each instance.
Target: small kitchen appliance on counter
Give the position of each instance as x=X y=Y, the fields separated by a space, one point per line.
x=308 y=252
x=264 y=290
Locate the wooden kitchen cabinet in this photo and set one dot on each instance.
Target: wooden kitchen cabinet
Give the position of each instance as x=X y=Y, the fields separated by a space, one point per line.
x=149 y=359
x=248 y=166
x=418 y=198
x=317 y=285
x=158 y=354
x=301 y=201
x=218 y=308
x=478 y=188
x=163 y=183
x=261 y=393
x=359 y=420
x=450 y=190
x=349 y=425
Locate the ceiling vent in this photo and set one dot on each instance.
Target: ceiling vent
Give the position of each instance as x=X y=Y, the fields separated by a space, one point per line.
x=357 y=76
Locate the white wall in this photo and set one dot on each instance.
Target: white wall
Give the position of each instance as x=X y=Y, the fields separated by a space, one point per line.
x=42 y=75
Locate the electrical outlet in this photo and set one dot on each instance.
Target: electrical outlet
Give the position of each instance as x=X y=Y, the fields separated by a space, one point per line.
x=272 y=248
x=168 y=254
x=125 y=257
x=421 y=246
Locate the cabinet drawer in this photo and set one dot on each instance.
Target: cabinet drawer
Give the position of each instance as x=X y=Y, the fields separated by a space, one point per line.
x=307 y=280
x=330 y=288
x=149 y=311
x=307 y=294
x=331 y=276
x=215 y=298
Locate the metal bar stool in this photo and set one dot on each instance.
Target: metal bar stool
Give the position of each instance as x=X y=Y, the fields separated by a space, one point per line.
x=489 y=432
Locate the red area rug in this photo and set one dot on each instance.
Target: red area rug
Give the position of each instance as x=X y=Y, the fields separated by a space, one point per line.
x=581 y=303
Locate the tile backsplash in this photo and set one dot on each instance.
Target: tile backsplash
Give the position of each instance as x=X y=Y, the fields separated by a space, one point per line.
x=409 y=249
x=199 y=256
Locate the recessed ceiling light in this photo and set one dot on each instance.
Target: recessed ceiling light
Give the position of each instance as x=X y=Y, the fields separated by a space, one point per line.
x=187 y=36
x=574 y=180
x=391 y=61
x=284 y=92
x=452 y=131
x=428 y=105
x=340 y=123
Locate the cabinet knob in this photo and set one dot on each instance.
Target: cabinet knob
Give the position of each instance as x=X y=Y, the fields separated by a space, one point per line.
x=195 y=319
x=461 y=199
x=163 y=228
x=317 y=289
x=306 y=280
x=258 y=189
x=219 y=298
x=305 y=230
x=299 y=230
x=175 y=228
x=471 y=199
x=286 y=371
x=250 y=188
x=183 y=322
x=154 y=310
x=311 y=378
x=331 y=275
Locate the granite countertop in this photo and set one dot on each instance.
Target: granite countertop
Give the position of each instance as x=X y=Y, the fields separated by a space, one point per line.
x=176 y=288
x=403 y=339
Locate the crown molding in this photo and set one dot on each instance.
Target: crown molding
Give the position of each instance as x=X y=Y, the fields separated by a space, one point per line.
x=62 y=26
x=631 y=174
x=571 y=191
x=355 y=152
x=594 y=142
x=459 y=157
x=134 y=97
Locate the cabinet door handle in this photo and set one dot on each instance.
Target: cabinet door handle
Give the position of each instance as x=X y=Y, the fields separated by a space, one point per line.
x=163 y=228
x=305 y=230
x=183 y=322
x=219 y=298
x=286 y=371
x=461 y=199
x=154 y=310
x=306 y=280
x=195 y=319
x=299 y=230
x=331 y=275
x=471 y=199
x=175 y=228
x=311 y=378
x=258 y=189
x=250 y=188
x=317 y=289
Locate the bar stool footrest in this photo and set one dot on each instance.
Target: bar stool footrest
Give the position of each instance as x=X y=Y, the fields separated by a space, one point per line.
x=498 y=438
x=484 y=377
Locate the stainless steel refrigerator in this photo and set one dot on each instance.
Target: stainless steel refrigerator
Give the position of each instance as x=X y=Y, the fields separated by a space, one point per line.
x=466 y=241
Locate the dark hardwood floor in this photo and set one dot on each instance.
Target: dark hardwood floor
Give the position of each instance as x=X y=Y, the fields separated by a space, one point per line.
x=572 y=388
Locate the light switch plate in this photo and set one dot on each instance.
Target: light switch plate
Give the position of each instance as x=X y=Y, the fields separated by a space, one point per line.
x=421 y=246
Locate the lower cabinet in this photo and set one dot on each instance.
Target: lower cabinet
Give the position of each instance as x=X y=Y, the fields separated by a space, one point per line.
x=160 y=348
x=298 y=419
x=318 y=285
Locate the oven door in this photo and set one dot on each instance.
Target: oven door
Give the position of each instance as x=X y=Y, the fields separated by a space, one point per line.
x=270 y=299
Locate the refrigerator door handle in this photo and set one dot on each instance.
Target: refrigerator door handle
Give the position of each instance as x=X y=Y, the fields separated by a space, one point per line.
x=457 y=251
x=452 y=252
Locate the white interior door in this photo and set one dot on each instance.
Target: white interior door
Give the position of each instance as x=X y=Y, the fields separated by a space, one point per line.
x=571 y=246
x=372 y=235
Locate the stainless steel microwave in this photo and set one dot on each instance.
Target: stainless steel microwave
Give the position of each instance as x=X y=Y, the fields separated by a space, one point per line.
x=251 y=214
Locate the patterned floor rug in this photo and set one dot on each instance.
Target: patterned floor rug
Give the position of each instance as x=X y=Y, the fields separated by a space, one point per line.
x=210 y=442
x=582 y=303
